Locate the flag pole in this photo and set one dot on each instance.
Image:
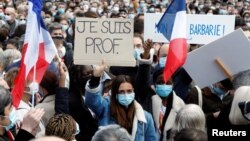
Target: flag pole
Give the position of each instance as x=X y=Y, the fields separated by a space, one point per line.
x=33 y=90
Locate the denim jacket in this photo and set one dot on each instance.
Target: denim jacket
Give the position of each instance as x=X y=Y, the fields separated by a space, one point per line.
x=143 y=125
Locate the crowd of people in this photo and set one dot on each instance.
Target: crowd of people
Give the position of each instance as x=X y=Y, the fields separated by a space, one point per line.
x=101 y=103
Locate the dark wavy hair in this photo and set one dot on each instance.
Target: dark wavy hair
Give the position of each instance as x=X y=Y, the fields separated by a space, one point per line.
x=123 y=116
x=49 y=82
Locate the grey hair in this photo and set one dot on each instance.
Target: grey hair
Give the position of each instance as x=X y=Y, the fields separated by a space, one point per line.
x=235 y=116
x=5 y=99
x=190 y=116
x=10 y=55
x=241 y=79
x=111 y=133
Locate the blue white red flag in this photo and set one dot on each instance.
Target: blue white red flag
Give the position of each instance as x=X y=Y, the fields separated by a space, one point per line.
x=173 y=26
x=37 y=53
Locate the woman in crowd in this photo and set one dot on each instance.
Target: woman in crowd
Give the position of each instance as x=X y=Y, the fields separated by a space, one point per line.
x=120 y=108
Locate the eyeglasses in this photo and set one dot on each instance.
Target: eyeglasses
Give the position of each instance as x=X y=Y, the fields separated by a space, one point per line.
x=245 y=109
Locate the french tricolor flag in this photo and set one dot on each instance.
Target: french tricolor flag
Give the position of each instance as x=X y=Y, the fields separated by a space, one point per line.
x=37 y=53
x=173 y=26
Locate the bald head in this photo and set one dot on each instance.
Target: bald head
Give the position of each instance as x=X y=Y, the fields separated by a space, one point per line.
x=163 y=51
x=10 y=10
x=49 y=138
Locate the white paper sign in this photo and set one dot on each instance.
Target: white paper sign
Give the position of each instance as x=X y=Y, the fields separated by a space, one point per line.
x=201 y=29
x=233 y=51
x=109 y=39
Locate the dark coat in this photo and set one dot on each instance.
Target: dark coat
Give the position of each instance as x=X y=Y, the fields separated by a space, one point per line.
x=80 y=112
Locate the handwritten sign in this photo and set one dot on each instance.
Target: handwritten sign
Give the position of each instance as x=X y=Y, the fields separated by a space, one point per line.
x=201 y=29
x=109 y=39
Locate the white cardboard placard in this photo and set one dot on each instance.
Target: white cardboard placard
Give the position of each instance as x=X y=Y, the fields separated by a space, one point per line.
x=201 y=29
x=109 y=39
x=233 y=50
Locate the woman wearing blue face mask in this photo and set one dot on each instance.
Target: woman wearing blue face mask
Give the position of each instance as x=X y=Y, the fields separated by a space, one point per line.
x=121 y=108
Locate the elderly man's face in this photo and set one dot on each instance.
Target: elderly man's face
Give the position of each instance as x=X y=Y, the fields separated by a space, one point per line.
x=10 y=12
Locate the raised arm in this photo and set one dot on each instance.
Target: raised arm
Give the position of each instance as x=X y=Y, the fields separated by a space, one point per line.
x=62 y=98
x=93 y=97
x=142 y=84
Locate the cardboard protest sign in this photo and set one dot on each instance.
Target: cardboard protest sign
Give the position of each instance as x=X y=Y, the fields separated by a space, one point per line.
x=201 y=29
x=233 y=51
x=109 y=39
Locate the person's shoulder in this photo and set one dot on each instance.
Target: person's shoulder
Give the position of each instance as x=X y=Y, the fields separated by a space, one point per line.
x=147 y=115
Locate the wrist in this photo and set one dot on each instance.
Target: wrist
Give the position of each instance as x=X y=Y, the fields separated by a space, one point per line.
x=28 y=129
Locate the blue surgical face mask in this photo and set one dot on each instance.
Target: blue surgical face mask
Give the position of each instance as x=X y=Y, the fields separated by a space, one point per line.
x=125 y=99
x=13 y=118
x=216 y=90
x=61 y=10
x=137 y=53
x=131 y=16
x=223 y=12
x=162 y=62
x=142 y=5
x=1 y=14
x=65 y=27
x=163 y=90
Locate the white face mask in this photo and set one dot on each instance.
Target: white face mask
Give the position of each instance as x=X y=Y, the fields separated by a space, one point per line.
x=22 y=22
x=7 y=17
x=65 y=27
x=85 y=7
x=47 y=20
x=100 y=11
x=115 y=9
x=93 y=9
x=61 y=52
x=54 y=7
x=33 y=88
x=248 y=24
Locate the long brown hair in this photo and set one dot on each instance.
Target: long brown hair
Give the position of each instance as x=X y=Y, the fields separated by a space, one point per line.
x=122 y=115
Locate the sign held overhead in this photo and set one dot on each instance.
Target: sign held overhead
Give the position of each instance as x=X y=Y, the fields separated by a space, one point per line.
x=201 y=29
x=231 y=50
x=109 y=39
